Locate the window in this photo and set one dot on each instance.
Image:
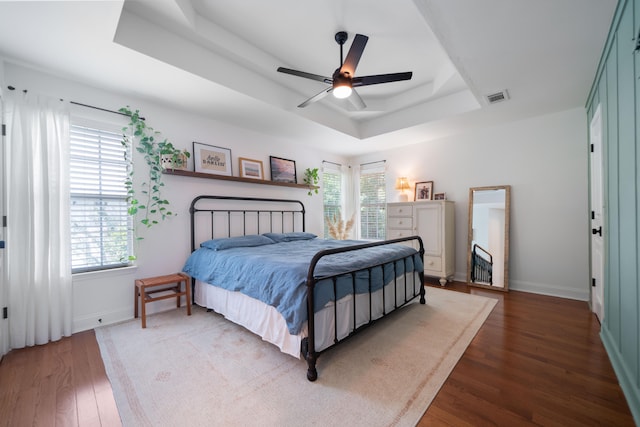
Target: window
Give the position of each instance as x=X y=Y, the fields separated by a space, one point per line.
x=373 y=201
x=331 y=193
x=101 y=232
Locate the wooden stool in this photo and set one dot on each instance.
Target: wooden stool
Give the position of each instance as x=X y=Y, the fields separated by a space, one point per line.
x=175 y=292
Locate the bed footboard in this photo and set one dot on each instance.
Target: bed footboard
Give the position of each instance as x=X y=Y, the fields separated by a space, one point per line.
x=308 y=349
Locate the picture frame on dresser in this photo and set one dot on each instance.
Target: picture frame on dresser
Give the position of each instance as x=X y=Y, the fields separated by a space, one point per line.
x=424 y=190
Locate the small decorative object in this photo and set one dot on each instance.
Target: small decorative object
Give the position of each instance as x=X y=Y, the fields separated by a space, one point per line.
x=311 y=178
x=338 y=229
x=440 y=196
x=211 y=159
x=251 y=168
x=174 y=161
x=283 y=170
x=402 y=184
x=424 y=190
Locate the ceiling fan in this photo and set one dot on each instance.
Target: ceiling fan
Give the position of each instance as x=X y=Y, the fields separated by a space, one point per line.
x=343 y=80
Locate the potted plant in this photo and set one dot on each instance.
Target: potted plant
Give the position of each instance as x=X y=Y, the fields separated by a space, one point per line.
x=158 y=154
x=311 y=178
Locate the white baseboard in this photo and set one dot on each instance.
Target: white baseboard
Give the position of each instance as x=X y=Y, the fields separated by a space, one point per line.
x=98 y=319
x=539 y=288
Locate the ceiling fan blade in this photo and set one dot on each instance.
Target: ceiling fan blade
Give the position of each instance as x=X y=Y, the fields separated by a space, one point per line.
x=317 y=97
x=356 y=102
x=305 y=75
x=355 y=52
x=380 y=78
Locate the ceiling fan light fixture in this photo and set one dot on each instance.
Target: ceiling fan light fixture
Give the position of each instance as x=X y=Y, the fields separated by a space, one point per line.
x=343 y=78
x=342 y=91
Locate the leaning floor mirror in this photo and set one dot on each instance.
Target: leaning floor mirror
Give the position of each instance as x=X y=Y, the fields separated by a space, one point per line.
x=488 y=242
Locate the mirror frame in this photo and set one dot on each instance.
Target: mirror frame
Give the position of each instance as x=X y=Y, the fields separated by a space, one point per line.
x=507 y=214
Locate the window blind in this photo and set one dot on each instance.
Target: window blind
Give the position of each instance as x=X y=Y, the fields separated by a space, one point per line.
x=331 y=194
x=373 y=201
x=101 y=232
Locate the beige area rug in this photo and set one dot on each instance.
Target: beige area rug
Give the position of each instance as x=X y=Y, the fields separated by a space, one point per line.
x=203 y=370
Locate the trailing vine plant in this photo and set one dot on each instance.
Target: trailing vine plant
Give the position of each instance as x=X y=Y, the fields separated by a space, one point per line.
x=311 y=178
x=149 y=203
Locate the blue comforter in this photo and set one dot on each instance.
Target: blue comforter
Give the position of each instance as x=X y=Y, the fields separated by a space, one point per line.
x=276 y=274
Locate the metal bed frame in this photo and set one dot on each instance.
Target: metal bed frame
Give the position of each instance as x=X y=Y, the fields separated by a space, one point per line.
x=285 y=220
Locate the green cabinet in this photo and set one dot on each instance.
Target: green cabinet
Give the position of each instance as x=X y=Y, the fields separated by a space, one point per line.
x=617 y=90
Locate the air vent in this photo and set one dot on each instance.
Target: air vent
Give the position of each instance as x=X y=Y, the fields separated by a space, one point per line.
x=497 y=97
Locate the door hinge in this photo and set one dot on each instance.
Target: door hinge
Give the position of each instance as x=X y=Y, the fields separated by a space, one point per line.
x=593 y=215
x=592 y=148
x=593 y=282
x=5 y=312
x=4 y=220
x=1 y=244
x=4 y=130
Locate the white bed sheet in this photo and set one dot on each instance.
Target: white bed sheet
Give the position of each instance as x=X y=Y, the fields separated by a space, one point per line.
x=265 y=321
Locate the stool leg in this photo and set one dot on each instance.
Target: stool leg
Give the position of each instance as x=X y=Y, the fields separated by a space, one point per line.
x=136 y=292
x=187 y=288
x=143 y=305
x=178 y=289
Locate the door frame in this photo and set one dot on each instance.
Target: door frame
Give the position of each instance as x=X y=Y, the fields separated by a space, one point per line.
x=597 y=217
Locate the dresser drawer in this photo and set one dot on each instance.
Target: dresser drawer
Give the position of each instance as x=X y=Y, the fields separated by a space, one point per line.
x=396 y=234
x=400 y=211
x=403 y=222
x=432 y=263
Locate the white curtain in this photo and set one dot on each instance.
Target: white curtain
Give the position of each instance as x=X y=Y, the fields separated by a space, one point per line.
x=38 y=274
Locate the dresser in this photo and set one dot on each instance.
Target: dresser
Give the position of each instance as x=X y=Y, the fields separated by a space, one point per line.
x=434 y=222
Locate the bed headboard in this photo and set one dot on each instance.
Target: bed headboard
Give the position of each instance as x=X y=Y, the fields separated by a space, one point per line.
x=228 y=216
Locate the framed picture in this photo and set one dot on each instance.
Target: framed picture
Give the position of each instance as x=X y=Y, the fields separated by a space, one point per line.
x=211 y=159
x=424 y=190
x=283 y=170
x=251 y=168
x=440 y=196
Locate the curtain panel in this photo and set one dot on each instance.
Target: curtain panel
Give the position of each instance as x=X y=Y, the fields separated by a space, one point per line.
x=38 y=259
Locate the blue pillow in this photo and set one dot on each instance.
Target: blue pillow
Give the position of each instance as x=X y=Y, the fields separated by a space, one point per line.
x=289 y=237
x=237 y=242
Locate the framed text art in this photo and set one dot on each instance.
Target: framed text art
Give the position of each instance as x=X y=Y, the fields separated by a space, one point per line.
x=211 y=159
x=283 y=170
x=251 y=168
x=424 y=190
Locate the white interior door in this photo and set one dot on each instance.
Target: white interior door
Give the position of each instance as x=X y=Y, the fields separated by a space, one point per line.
x=597 y=220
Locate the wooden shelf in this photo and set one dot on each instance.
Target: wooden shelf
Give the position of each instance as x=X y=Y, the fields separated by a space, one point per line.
x=236 y=179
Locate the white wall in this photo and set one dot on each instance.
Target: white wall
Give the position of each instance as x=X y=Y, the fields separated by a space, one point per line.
x=107 y=297
x=544 y=159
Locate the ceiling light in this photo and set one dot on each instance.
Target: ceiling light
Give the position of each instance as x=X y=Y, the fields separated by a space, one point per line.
x=341 y=84
x=342 y=91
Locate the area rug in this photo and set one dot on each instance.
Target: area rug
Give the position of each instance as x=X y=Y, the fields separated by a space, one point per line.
x=203 y=370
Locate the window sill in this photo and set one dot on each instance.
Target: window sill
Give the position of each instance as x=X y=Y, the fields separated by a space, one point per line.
x=111 y=272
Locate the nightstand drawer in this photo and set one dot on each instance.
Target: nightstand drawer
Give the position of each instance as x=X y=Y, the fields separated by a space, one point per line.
x=403 y=222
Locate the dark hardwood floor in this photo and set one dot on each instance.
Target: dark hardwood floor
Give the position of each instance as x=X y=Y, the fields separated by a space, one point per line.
x=537 y=360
